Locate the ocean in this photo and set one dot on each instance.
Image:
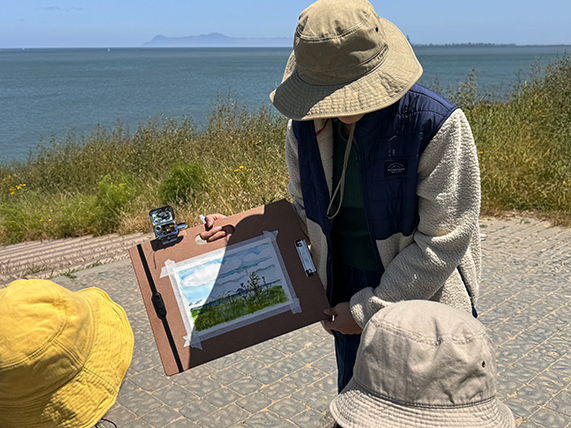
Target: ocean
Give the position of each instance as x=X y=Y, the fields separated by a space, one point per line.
x=46 y=93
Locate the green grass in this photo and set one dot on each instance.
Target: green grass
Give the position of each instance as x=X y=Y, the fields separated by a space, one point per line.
x=208 y=317
x=108 y=181
x=524 y=145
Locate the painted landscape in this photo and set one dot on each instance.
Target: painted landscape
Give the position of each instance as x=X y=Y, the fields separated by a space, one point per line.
x=233 y=284
x=251 y=297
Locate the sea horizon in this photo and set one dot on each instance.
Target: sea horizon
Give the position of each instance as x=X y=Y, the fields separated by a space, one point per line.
x=470 y=44
x=45 y=93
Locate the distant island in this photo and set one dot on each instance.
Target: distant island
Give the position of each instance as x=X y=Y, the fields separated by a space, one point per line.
x=218 y=40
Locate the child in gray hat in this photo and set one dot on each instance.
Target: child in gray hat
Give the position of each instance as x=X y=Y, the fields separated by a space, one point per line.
x=423 y=364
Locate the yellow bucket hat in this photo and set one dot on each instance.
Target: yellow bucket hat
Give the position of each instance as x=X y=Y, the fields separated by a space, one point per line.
x=63 y=355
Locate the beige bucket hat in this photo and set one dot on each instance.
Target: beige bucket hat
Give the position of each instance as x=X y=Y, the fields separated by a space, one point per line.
x=346 y=61
x=423 y=363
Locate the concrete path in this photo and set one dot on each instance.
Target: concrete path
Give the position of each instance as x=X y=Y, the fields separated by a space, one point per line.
x=525 y=303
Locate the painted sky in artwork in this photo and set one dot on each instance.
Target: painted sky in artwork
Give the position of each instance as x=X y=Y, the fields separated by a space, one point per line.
x=223 y=274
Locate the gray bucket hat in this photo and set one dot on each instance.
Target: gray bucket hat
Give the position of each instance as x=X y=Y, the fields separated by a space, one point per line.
x=346 y=61
x=423 y=363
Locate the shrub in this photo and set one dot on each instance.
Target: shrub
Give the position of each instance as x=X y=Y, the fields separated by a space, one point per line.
x=112 y=197
x=184 y=183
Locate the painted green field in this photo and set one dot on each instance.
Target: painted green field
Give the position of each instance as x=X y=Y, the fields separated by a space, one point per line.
x=236 y=307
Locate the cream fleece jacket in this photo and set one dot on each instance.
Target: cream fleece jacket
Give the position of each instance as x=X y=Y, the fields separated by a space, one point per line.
x=440 y=260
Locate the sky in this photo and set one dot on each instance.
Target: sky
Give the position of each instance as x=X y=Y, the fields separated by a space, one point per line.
x=128 y=23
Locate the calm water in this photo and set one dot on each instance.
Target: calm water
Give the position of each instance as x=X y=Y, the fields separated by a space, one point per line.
x=47 y=92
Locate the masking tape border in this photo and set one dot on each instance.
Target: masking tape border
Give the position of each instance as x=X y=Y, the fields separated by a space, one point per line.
x=193 y=337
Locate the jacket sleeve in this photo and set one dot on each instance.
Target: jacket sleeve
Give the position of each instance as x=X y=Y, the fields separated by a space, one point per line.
x=448 y=193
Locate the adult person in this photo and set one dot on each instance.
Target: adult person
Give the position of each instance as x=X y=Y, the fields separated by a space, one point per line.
x=422 y=364
x=383 y=172
x=63 y=355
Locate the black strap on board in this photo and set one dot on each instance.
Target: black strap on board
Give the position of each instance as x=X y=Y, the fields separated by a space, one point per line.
x=160 y=307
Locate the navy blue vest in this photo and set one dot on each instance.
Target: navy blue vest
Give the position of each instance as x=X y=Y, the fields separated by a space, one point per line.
x=389 y=145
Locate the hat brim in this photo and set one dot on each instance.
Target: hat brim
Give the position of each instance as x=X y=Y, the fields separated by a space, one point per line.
x=354 y=407
x=84 y=399
x=381 y=87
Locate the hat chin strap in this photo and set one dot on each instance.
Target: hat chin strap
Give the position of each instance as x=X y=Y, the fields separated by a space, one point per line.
x=341 y=185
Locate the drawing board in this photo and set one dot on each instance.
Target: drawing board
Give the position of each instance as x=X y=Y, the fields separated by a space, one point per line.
x=210 y=300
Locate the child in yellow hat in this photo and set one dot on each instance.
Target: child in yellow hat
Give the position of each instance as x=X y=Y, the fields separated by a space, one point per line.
x=63 y=355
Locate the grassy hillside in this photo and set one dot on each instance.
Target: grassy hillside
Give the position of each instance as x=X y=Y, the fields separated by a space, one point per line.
x=109 y=180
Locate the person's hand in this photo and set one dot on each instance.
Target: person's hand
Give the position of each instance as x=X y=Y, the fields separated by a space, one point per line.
x=212 y=234
x=342 y=320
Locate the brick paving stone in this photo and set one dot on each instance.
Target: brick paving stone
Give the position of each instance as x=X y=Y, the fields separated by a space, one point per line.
x=182 y=423
x=162 y=416
x=267 y=419
x=175 y=396
x=270 y=356
x=328 y=384
x=254 y=402
x=127 y=386
x=203 y=386
x=518 y=372
x=550 y=419
x=249 y=365
x=308 y=419
x=326 y=364
x=267 y=375
x=245 y=385
x=227 y=376
x=120 y=415
x=528 y=424
x=308 y=355
x=534 y=394
x=225 y=417
x=137 y=423
x=197 y=409
x=277 y=390
x=222 y=397
x=524 y=409
x=288 y=365
x=227 y=361
x=561 y=402
x=150 y=380
x=315 y=398
x=140 y=402
x=303 y=377
x=287 y=407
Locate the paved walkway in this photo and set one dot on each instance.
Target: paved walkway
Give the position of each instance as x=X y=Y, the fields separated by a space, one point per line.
x=288 y=382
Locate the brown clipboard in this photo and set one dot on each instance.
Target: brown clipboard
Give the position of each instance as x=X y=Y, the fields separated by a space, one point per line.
x=163 y=308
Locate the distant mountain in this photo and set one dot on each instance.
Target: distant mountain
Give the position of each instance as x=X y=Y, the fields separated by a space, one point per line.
x=217 y=40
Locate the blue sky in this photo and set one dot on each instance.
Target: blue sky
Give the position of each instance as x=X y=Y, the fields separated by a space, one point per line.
x=128 y=23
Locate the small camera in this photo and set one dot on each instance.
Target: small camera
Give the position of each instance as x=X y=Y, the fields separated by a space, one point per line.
x=164 y=225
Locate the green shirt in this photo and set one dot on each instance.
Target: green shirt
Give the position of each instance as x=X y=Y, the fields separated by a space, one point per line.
x=352 y=241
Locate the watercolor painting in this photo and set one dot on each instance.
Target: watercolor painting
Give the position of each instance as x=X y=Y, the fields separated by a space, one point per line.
x=227 y=286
